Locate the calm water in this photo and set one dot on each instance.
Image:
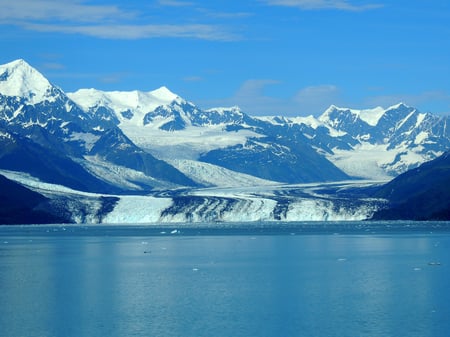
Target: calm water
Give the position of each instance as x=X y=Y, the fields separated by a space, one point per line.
x=129 y=281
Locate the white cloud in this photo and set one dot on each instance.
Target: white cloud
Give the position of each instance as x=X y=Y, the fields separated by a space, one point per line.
x=131 y=32
x=101 y=21
x=67 y=10
x=252 y=88
x=192 y=79
x=252 y=98
x=112 y=78
x=315 y=99
x=175 y=3
x=322 y=4
x=436 y=101
x=53 y=66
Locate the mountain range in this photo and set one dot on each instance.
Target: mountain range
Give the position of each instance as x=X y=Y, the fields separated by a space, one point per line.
x=97 y=149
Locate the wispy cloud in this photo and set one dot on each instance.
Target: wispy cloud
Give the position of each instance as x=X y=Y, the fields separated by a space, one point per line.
x=250 y=97
x=102 y=21
x=254 y=87
x=68 y=10
x=53 y=66
x=132 y=32
x=323 y=4
x=315 y=99
x=224 y=15
x=175 y=3
x=253 y=98
x=437 y=101
x=112 y=78
x=192 y=79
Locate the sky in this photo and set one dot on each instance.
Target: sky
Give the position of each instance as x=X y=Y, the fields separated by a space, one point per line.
x=269 y=57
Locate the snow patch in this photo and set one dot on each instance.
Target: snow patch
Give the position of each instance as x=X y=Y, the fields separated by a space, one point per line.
x=88 y=139
x=421 y=137
x=6 y=135
x=308 y=120
x=402 y=122
x=420 y=119
x=371 y=116
x=224 y=110
x=364 y=161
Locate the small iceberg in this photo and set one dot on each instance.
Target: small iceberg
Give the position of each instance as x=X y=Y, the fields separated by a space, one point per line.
x=434 y=263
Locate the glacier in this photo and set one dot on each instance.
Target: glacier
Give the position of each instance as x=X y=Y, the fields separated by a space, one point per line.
x=263 y=203
x=251 y=204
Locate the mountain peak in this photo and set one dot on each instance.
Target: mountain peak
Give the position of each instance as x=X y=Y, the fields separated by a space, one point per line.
x=398 y=106
x=18 y=78
x=326 y=115
x=331 y=108
x=164 y=94
x=17 y=63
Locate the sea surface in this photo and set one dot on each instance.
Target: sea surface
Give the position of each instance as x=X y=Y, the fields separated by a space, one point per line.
x=280 y=280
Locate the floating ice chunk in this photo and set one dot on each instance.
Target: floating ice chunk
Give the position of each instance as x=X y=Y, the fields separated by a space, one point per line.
x=434 y=263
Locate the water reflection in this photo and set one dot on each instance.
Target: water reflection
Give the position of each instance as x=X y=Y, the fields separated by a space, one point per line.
x=330 y=285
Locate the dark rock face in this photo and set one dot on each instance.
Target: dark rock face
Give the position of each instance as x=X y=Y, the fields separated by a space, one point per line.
x=19 y=205
x=422 y=193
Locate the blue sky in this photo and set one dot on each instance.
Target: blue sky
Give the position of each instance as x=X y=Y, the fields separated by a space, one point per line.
x=277 y=57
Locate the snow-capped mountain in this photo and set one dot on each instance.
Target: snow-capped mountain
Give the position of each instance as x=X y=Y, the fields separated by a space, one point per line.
x=158 y=109
x=373 y=143
x=18 y=79
x=122 y=107
x=385 y=141
x=43 y=132
x=172 y=128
